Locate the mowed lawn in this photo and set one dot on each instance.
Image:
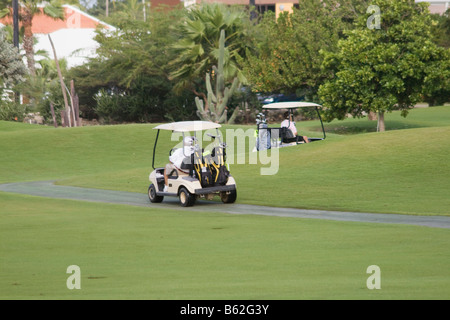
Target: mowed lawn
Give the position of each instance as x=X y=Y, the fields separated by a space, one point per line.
x=141 y=253
x=144 y=253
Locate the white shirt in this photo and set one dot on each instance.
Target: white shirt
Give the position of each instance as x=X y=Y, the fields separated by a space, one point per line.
x=178 y=156
x=289 y=124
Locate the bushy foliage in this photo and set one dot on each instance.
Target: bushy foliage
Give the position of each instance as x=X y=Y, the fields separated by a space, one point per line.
x=286 y=48
x=386 y=68
x=12 y=69
x=12 y=111
x=153 y=69
x=197 y=49
x=148 y=99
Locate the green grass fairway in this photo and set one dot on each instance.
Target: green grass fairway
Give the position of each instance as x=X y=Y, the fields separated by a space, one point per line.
x=398 y=171
x=127 y=252
x=139 y=253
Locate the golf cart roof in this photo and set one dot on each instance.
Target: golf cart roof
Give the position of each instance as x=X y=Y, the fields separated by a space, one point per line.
x=290 y=105
x=187 y=126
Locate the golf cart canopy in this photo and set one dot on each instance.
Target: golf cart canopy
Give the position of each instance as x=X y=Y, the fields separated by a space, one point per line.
x=290 y=105
x=188 y=126
x=184 y=126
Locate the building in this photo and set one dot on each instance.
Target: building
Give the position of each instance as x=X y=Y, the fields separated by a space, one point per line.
x=164 y=3
x=438 y=6
x=72 y=37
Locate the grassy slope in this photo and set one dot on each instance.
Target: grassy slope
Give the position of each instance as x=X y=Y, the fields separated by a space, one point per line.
x=402 y=172
x=399 y=171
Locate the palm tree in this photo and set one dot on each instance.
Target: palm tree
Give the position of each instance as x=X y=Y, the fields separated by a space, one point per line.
x=198 y=46
x=30 y=8
x=36 y=87
x=12 y=69
x=132 y=9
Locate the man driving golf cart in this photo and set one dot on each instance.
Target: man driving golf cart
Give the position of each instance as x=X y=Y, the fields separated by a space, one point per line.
x=268 y=137
x=176 y=160
x=290 y=134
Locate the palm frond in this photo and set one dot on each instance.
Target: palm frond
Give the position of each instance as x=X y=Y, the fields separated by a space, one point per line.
x=54 y=10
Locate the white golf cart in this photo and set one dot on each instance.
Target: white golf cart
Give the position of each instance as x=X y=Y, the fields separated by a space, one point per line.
x=201 y=175
x=279 y=137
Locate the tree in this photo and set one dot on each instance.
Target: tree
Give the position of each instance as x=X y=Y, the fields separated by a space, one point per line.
x=12 y=69
x=30 y=8
x=197 y=48
x=44 y=87
x=441 y=29
x=12 y=72
x=129 y=80
x=385 y=67
x=132 y=9
x=286 y=57
x=37 y=87
x=215 y=108
x=441 y=36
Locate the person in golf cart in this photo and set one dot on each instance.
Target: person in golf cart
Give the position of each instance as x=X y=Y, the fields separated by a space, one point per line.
x=291 y=132
x=177 y=158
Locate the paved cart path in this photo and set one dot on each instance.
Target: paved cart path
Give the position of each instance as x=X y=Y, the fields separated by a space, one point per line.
x=50 y=190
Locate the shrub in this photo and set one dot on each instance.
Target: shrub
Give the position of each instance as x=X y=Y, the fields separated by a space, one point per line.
x=11 y=111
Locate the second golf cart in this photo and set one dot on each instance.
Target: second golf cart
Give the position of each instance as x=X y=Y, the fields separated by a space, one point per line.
x=278 y=137
x=201 y=174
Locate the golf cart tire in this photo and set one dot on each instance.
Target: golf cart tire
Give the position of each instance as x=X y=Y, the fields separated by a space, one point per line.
x=152 y=195
x=187 y=199
x=229 y=197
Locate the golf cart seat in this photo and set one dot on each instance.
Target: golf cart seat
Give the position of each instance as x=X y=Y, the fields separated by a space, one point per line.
x=287 y=136
x=186 y=166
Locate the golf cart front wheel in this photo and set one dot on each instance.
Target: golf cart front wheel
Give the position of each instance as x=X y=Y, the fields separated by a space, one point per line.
x=228 y=197
x=186 y=198
x=152 y=194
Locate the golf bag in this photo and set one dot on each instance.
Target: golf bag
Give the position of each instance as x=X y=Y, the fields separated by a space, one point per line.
x=262 y=134
x=263 y=138
x=202 y=170
x=216 y=163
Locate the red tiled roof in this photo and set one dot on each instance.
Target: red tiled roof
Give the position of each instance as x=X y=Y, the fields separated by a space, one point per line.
x=74 y=19
x=156 y=3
